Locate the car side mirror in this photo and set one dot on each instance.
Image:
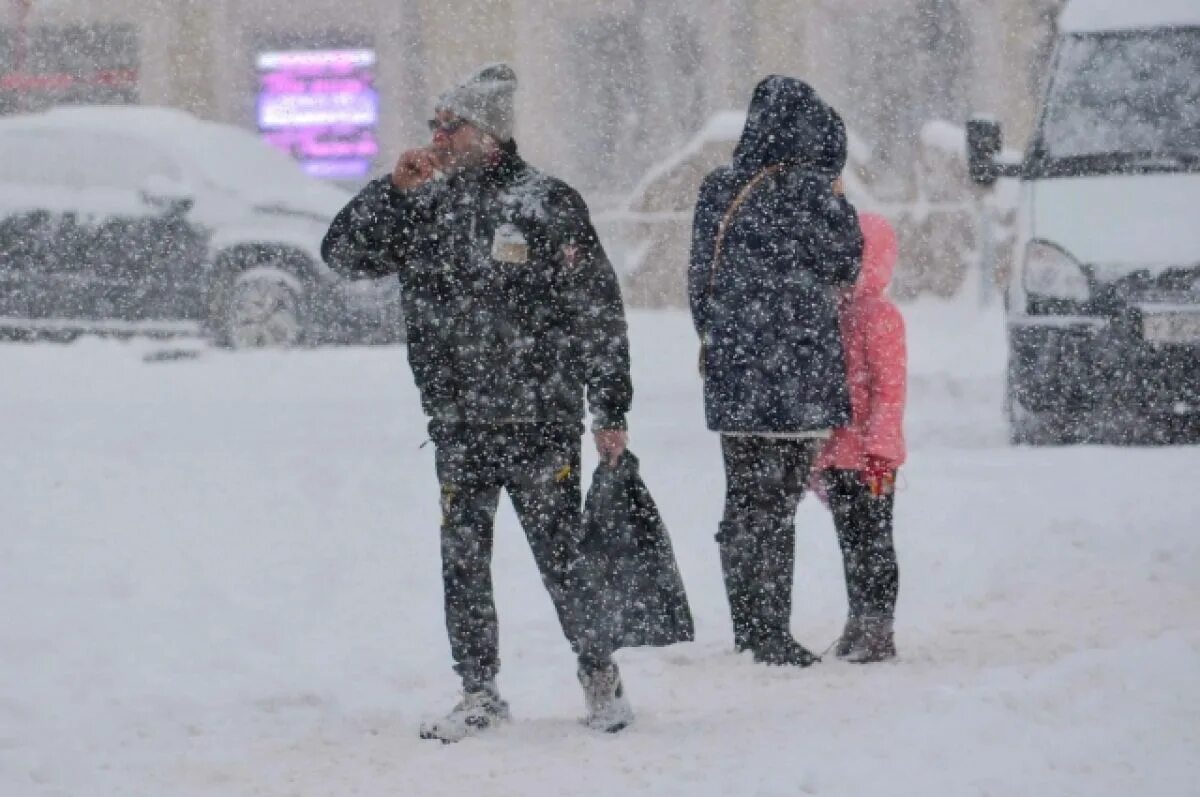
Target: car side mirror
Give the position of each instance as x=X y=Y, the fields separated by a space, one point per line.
x=984 y=144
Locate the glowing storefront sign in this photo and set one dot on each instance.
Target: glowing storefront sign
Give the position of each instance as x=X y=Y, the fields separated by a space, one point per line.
x=321 y=107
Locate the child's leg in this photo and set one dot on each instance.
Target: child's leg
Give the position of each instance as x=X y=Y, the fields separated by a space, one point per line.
x=881 y=579
x=864 y=526
x=842 y=488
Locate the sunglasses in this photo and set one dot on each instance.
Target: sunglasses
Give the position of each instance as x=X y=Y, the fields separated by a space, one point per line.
x=449 y=127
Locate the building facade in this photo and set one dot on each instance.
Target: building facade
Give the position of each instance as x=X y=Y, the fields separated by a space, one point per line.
x=606 y=88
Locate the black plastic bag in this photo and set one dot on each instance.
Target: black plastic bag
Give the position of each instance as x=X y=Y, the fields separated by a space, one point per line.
x=628 y=555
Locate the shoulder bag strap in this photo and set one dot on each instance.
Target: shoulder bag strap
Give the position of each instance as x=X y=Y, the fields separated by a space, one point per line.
x=723 y=227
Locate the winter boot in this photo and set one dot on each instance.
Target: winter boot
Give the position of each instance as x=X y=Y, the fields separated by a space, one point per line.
x=850 y=638
x=479 y=710
x=784 y=651
x=739 y=565
x=876 y=642
x=853 y=567
x=608 y=709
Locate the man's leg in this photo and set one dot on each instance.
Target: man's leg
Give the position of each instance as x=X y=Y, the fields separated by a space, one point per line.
x=469 y=495
x=541 y=467
x=544 y=485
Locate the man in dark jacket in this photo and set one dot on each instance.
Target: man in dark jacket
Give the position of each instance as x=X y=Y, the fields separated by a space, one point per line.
x=772 y=242
x=512 y=311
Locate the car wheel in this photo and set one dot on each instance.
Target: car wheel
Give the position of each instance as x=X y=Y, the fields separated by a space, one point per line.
x=265 y=309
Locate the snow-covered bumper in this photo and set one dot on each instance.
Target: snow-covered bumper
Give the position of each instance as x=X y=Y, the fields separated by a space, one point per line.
x=366 y=311
x=1146 y=359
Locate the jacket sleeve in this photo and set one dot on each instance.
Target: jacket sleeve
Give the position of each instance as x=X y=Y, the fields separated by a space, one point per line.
x=371 y=237
x=705 y=221
x=887 y=369
x=588 y=285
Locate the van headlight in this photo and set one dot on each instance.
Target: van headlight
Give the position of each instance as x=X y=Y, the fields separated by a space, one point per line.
x=1051 y=273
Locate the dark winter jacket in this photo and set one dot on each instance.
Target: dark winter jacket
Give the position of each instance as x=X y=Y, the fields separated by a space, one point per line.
x=511 y=305
x=767 y=312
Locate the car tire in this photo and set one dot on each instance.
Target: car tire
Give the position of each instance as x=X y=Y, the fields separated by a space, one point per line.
x=264 y=307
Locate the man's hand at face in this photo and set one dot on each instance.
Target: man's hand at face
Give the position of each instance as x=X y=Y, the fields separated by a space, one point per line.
x=610 y=445
x=415 y=167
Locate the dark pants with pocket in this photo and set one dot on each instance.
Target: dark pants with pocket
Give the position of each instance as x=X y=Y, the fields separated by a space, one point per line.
x=765 y=478
x=864 y=529
x=538 y=464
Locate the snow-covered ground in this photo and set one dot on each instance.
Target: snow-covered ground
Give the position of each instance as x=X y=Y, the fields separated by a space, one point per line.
x=220 y=576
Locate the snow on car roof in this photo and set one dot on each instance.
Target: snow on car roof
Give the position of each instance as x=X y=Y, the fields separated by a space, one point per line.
x=227 y=155
x=115 y=117
x=1087 y=16
x=721 y=126
x=945 y=136
x=726 y=126
x=170 y=128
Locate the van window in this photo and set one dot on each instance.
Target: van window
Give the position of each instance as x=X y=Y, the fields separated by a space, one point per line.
x=1125 y=97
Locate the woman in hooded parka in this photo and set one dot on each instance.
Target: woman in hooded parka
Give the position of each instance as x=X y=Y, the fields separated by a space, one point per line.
x=773 y=244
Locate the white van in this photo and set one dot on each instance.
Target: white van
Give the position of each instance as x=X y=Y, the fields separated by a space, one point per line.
x=1104 y=300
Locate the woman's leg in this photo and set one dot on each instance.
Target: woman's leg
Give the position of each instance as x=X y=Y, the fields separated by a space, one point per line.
x=738 y=538
x=765 y=479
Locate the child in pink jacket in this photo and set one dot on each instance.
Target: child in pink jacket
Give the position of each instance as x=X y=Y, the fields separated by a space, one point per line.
x=857 y=467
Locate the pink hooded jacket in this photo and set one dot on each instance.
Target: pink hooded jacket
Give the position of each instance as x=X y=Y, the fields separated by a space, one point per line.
x=876 y=360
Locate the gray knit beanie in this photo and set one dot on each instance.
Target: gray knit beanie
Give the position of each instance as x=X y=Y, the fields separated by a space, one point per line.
x=485 y=99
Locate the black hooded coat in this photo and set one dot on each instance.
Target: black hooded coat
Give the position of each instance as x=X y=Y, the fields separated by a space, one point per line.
x=766 y=311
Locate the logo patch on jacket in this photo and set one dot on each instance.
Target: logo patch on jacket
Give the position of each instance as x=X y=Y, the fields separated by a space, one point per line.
x=509 y=245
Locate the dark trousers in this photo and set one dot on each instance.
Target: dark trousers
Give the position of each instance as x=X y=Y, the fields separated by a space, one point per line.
x=538 y=464
x=765 y=479
x=864 y=529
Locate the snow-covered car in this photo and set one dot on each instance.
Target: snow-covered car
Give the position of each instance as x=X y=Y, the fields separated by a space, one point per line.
x=1104 y=299
x=935 y=214
x=652 y=230
x=140 y=220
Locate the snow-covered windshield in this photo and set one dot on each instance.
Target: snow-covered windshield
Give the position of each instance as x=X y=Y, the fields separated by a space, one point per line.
x=1125 y=94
